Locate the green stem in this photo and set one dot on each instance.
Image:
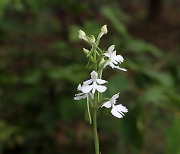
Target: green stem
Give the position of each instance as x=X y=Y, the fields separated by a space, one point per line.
x=94 y=56
x=89 y=114
x=98 y=39
x=100 y=73
x=96 y=140
x=100 y=76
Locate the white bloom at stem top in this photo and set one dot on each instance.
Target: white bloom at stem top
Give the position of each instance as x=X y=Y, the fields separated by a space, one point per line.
x=94 y=84
x=117 y=110
x=113 y=59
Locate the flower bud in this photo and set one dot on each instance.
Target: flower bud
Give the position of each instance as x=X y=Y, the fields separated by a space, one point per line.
x=86 y=51
x=104 y=29
x=102 y=63
x=82 y=34
x=92 y=39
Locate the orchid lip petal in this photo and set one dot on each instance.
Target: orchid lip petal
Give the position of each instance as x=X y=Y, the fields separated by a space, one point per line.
x=94 y=87
x=100 y=81
x=121 y=108
x=119 y=58
x=101 y=89
x=116 y=113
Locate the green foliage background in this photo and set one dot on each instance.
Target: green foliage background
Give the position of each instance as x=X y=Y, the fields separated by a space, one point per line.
x=41 y=64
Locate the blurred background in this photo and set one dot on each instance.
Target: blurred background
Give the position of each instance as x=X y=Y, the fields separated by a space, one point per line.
x=42 y=62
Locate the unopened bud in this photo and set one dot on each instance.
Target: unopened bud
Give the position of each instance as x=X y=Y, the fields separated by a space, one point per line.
x=82 y=34
x=102 y=63
x=104 y=29
x=92 y=39
x=86 y=51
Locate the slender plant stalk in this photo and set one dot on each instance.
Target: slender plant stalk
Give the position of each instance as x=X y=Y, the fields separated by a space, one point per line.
x=96 y=140
x=93 y=88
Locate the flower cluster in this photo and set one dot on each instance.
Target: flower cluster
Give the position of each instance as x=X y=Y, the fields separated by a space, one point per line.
x=93 y=88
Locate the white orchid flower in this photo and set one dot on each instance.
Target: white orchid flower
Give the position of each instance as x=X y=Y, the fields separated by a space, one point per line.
x=114 y=59
x=94 y=84
x=117 y=110
x=82 y=95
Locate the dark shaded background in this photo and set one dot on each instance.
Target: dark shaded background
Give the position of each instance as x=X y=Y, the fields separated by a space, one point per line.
x=42 y=62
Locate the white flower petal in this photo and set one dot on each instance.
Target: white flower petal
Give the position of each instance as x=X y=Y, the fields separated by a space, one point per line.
x=106 y=104
x=94 y=74
x=119 y=58
x=86 y=88
x=113 y=53
x=113 y=60
x=88 y=81
x=100 y=81
x=116 y=113
x=121 y=108
x=101 y=89
x=94 y=87
x=79 y=87
x=107 y=55
x=112 y=65
x=111 y=48
x=114 y=97
x=77 y=98
x=80 y=96
x=122 y=69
